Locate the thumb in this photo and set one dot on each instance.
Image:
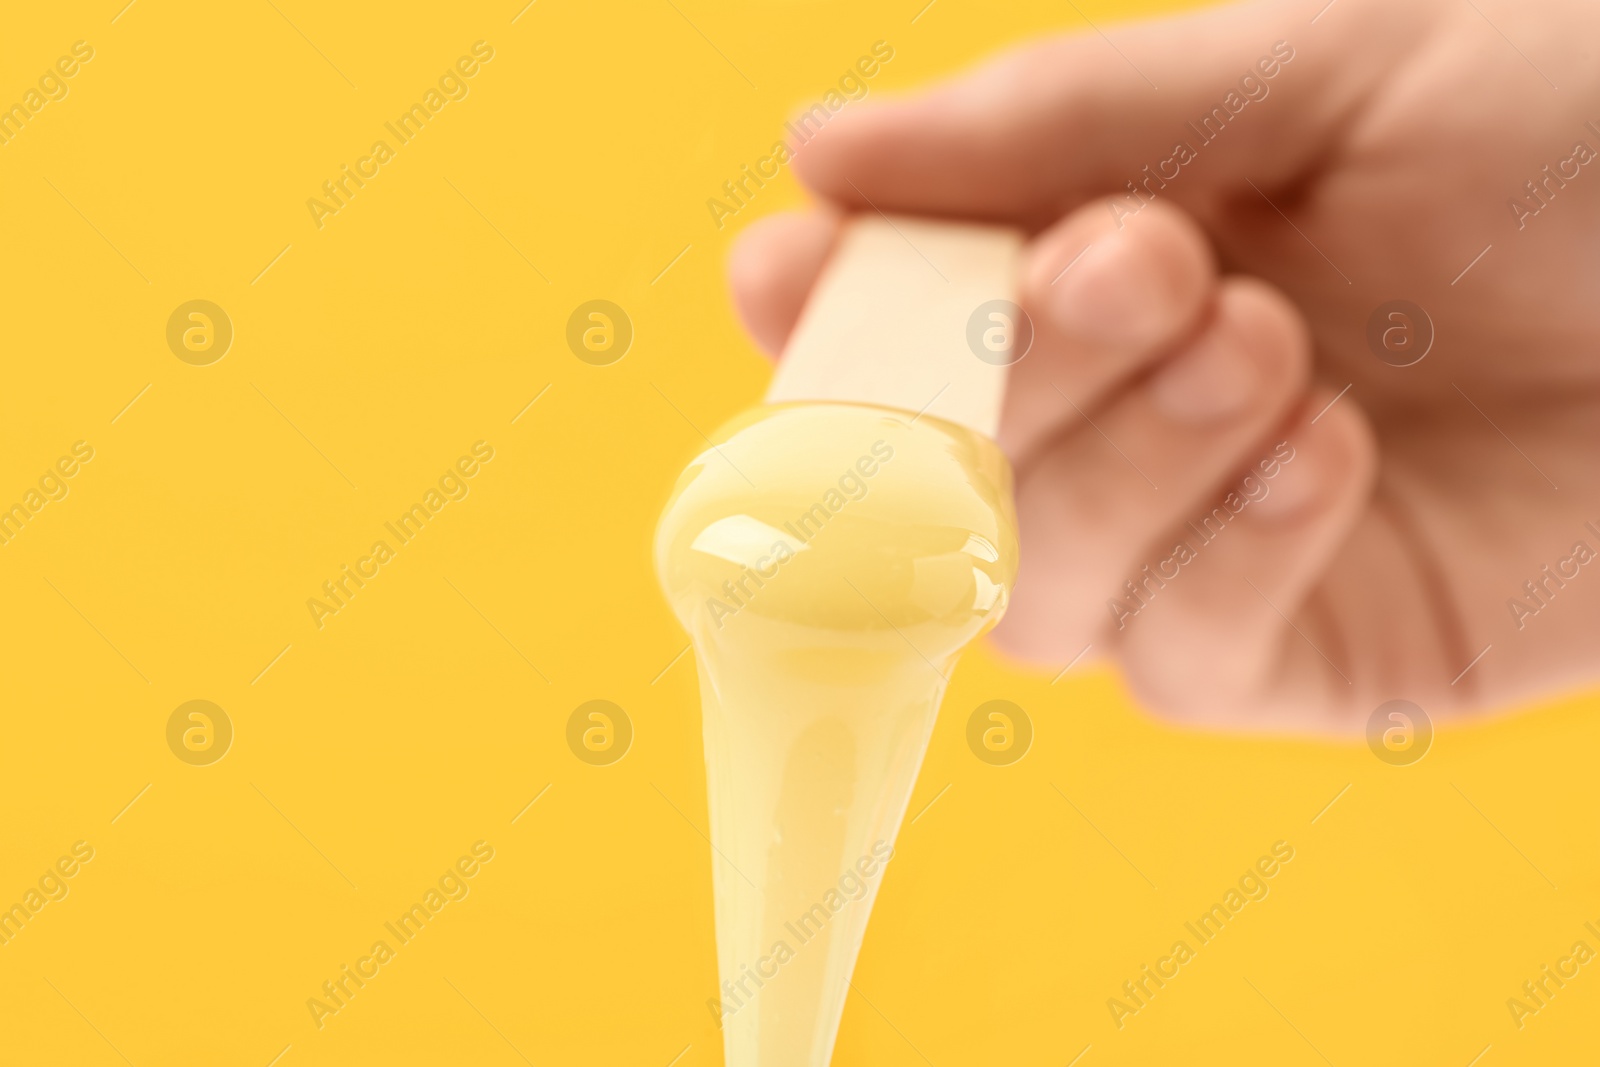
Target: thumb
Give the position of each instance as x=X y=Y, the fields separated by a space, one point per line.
x=1203 y=101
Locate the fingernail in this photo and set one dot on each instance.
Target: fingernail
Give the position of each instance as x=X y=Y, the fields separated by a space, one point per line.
x=1210 y=381
x=1108 y=293
x=1295 y=487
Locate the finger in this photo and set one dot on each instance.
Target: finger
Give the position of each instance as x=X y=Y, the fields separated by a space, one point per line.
x=1229 y=636
x=1044 y=127
x=772 y=267
x=1105 y=298
x=1098 y=495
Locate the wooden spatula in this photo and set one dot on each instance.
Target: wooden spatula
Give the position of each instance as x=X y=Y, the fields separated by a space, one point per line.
x=913 y=314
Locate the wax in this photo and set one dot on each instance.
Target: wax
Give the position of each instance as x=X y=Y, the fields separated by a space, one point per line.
x=830 y=562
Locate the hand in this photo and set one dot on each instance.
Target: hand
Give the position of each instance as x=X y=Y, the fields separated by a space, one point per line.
x=1197 y=340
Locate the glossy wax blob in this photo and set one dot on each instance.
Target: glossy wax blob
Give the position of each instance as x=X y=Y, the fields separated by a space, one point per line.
x=830 y=562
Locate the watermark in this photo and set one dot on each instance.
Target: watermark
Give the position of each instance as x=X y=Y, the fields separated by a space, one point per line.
x=453 y=885
x=1538 y=193
x=999 y=732
x=199 y=332
x=1154 y=577
x=452 y=485
x=199 y=733
x=852 y=85
x=51 y=886
x=1552 y=578
x=1253 y=88
x=853 y=885
x=1399 y=733
x=599 y=732
x=51 y=87
x=1400 y=332
x=338 y=191
x=1538 y=992
x=52 y=486
x=1138 y=992
x=999 y=332
x=761 y=549
x=599 y=332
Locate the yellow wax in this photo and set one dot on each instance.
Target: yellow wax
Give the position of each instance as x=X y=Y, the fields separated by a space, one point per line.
x=830 y=562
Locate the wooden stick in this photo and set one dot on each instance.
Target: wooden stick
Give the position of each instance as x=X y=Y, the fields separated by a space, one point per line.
x=911 y=314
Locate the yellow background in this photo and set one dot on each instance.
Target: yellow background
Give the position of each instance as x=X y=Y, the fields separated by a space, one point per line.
x=377 y=749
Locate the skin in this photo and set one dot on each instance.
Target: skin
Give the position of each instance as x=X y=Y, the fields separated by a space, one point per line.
x=1222 y=318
